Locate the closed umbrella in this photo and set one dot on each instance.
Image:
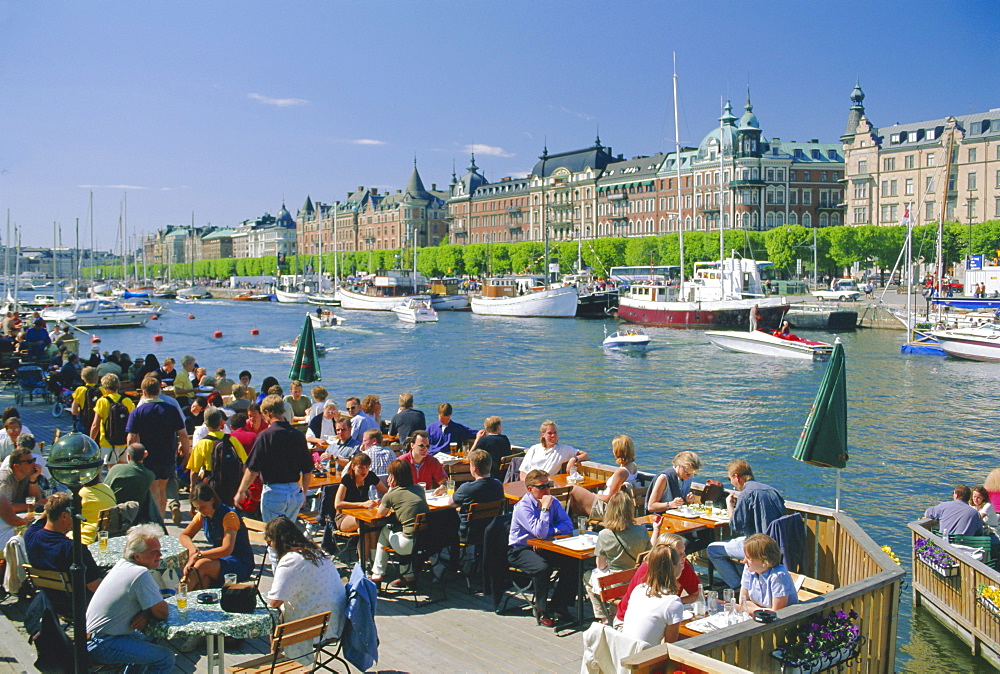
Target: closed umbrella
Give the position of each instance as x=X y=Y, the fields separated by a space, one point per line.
x=305 y=364
x=823 y=441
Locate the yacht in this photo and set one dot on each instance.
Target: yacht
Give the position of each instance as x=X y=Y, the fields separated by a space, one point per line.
x=416 y=311
x=96 y=313
x=384 y=291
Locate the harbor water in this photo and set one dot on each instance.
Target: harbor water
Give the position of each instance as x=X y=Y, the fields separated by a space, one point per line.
x=918 y=425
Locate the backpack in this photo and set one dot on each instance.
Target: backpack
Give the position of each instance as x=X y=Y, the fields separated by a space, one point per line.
x=114 y=423
x=227 y=469
x=90 y=398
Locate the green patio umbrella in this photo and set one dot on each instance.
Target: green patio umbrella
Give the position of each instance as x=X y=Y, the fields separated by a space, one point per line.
x=305 y=364
x=823 y=441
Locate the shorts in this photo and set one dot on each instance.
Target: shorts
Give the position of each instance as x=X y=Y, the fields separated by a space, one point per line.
x=162 y=471
x=230 y=564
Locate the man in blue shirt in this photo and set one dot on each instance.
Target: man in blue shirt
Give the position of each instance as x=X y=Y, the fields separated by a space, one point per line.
x=48 y=547
x=756 y=506
x=957 y=516
x=539 y=515
x=444 y=431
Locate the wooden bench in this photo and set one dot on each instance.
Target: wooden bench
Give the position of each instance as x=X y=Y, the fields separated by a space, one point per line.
x=810 y=588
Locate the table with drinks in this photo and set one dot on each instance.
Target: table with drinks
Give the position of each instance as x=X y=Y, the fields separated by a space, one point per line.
x=712 y=612
x=107 y=551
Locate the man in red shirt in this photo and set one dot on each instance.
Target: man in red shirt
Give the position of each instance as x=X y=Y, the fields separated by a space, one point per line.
x=426 y=468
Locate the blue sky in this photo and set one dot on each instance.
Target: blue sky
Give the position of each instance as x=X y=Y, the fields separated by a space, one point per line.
x=224 y=109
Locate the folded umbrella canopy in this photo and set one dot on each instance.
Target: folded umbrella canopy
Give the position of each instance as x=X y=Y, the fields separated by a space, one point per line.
x=305 y=364
x=824 y=438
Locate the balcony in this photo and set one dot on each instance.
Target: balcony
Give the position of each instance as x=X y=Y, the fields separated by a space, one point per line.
x=618 y=197
x=513 y=210
x=754 y=182
x=514 y=226
x=830 y=206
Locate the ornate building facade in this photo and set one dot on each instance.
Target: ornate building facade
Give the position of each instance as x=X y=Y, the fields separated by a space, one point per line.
x=949 y=165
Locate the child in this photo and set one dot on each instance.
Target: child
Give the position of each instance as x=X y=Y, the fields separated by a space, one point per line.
x=688 y=584
x=766 y=583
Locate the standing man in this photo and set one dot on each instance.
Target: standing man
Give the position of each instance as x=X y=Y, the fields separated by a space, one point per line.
x=202 y=459
x=184 y=388
x=754 y=317
x=957 y=516
x=158 y=426
x=407 y=419
x=126 y=602
x=492 y=441
x=750 y=511
x=102 y=427
x=282 y=460
x=360 y=420
x=444 y=431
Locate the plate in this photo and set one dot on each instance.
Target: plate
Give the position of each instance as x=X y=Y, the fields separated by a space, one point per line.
x=688 y=515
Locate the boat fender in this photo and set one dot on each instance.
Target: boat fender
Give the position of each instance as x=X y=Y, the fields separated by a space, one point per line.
x=94 y=339
x=157 y=338
x=153 y=317
x=254 y=331
x=217 y=334
x=190 y=315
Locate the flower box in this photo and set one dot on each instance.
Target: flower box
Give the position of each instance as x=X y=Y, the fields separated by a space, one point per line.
x=988 y=596
x=990 y=607
x=939 y=561
x=940 y=569
x=819 y=663
x=821 y=645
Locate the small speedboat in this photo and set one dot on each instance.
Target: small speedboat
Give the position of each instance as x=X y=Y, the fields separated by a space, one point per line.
x=415 y=311
x=326 y=319
x=981 y=343
x=632 y=339
x=770 y=343
x=289 y=347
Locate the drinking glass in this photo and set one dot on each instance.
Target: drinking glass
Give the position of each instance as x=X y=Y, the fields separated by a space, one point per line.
x=731 y=615
x=423 y=485
x=728 y=594
x=450 y=486
x=30 y=502
x=230 y=579
x=581 y=524
x=182 y=598
x=711 y=602
x=102 y=540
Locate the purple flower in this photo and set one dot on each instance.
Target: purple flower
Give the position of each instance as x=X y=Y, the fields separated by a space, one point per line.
x=841 y=615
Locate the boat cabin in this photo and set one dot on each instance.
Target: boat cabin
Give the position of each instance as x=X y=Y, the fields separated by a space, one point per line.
x=512 y=286
x=445 y=286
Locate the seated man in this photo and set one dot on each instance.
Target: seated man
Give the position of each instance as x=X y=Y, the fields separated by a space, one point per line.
x=957 y=516
x=483 y=489
x=321 y=429
x=445 y=431
x=48 y=546
x=407 y=419
x=342 y=446
x=750 y=511
x=538 y=515
x=125 y=602
x=381 y=456
x=17 y=482
x=95 y=496
x=426 y=468
x=492 y=440
x=131 y=481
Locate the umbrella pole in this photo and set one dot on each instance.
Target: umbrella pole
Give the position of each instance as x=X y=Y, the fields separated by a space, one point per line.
x=837 y=504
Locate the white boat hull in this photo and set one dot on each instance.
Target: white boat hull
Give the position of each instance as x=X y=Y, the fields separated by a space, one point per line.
x=980 y=344
x=550 y=303
x=286 y=297
x=361 y=302
x=104 y=317
x=325 y=321
x=450 y=303
x=765 y=344
x=415 y=315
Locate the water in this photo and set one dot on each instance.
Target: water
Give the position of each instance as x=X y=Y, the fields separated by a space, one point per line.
x=918 y=425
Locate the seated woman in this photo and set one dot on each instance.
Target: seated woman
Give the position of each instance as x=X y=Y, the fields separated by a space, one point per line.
x=654 y=610
x=223 y=528
x=688 y=584
x=766 y=583
x=672 y=487
x=353 y=491
x=619 y=545
x=305 y=583
x=405 y=500
x=981 y=502
x=584 y=502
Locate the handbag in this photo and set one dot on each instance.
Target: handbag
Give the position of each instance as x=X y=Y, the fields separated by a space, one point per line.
x=238 y=598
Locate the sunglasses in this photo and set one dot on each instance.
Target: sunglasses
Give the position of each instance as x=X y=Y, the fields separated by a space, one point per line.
x=421 y=446
x=546 y=485
x=31 y=460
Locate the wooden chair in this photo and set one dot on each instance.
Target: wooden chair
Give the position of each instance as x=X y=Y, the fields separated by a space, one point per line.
x=505 y=462
x=562 y=495
x=460 y=472
x=421 y=525
x=60 y=581
x=639 y=499
x=810 y=588
x=984 y=543
x=477 y=518
x=615 y=585
x=287 y=634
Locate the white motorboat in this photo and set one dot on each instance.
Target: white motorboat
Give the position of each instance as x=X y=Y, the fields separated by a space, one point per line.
x=291 y=296
x=631 y=339
x=523 y=298
x=416 y=311
x=450 y=302
x=325 y=319
x=324 y=299
x=982 y=343
x=194 y=293
x=770 y=343
x=96 y=313
x=289 y=347
x=384 y=291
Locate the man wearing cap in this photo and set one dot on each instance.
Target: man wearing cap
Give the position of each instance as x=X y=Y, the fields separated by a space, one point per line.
x=37 y=339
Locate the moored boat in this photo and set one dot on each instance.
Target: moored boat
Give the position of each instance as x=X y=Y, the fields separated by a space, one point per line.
x=289 y=296
x=521 y=298
x=194 y=293
x=982 y=343
x=384 y=291
x=416 y=311
x=595 y=299
x=770 y=343
x=96 y=313
x=629 y=339
x=447 y=295
x=821 y=317
x=253 y=297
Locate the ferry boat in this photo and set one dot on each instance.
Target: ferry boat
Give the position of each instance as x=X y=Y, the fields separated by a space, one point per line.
x=770 y=343
x=523 y=297
x=384 y=291
x=719 y=294
x=96 y=313
x=416 y=311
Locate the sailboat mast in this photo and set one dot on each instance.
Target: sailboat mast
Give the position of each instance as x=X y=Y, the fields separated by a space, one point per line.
x=545 y=225
x=91 y=256
x=17 y=270
x=54 y=258
x=336 y=244
x=6 y=260
x=677 y=161
x=722 y=173
x=319 y=258
x=77 y=279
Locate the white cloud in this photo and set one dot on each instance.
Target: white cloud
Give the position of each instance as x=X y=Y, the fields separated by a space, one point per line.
x=575 y=113
x=113 y=187
x=366 y=141
x=277 y=102
x=490 y=150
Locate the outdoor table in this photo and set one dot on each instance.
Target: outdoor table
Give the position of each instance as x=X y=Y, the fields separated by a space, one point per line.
x=174 y=557
x=514 y=491
x=211 y=622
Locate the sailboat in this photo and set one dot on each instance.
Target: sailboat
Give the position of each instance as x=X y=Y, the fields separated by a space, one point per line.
x=321 y=298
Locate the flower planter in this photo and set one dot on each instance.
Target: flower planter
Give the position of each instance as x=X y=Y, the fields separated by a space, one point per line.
x=943 y=571
x=819 y=663
x=990 y=607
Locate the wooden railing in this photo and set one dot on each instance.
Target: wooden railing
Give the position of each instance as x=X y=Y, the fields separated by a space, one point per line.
x=953 y=599
x=837 y=551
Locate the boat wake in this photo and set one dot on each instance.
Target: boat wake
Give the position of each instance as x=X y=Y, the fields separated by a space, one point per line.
x=263 y=349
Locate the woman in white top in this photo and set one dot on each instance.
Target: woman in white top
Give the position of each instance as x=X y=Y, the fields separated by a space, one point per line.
x=584 y=502
x=981 y=501
x=654 y=610
x=548 y=454
x=305 y=583
x=12 y=427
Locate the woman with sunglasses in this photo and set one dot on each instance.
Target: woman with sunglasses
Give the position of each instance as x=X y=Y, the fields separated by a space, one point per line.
x=539 y=515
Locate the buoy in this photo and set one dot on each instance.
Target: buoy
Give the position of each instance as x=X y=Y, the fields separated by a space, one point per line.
x=254 y=331
x=190 y=315
x=153 y=317
x=94 y=339
x=217 y=334
x=157 y=338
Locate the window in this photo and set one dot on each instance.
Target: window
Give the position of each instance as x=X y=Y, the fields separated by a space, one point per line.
x=806 y=197
x=908 y=186
x=996 y=207
x=889 y=212
x=863 y=166
x=889 y=164
x=972 y=180
x=805 y=176
x=791 y=174
x=670 y=203
x=908 y=161
x=928 y=210
x=998 y=178
x=973 y=208
x=885 y=188
x=822 y=178
x=807 y=220
x=793 y=197
x=770 y=175
x=952 y=179
x=931 y=159
x=861 y=190
x=972 y=154
x=929 y=184
x=860 y=215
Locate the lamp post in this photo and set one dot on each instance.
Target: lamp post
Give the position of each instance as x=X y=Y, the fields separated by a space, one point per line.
x=75 y=460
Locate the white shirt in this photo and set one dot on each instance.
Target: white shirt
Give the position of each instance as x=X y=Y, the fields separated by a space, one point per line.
x=308 y=588
x=549 y=460
x=647 y=617
x=40 y=461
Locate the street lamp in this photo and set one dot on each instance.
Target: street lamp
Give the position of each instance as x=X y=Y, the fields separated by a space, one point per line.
x=75 y=460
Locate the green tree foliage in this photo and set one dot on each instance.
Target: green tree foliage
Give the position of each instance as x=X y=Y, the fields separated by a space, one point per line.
x=784 y=245
x=642 y=251
x=522 y=256
x=474 y=259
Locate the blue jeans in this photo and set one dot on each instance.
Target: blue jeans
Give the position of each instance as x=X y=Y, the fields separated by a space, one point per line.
x=133 y=650
x=721 y=554
x=283 y=498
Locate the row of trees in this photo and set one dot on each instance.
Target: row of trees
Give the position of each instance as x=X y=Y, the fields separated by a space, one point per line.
x=837 y=248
